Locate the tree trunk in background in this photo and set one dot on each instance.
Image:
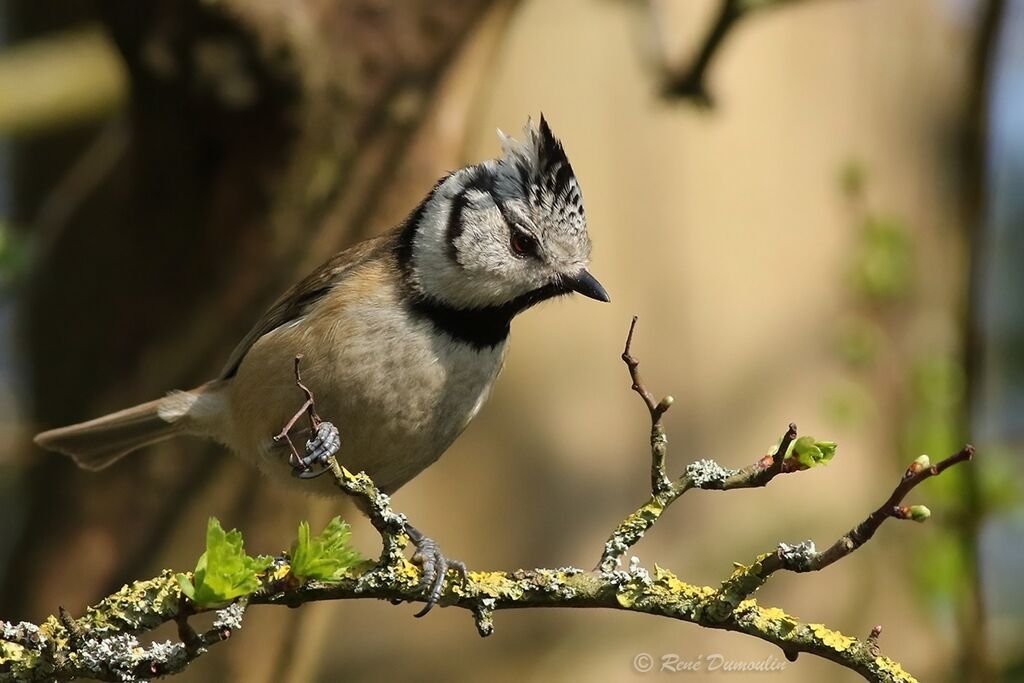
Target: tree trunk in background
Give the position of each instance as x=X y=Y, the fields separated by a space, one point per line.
x=261 y=138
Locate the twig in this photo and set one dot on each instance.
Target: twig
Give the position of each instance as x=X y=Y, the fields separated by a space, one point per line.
x=308 y=408
x=657 y=409
x=804 y=557
x=632 y=364
x=859 y=535
x=691 y=82
x=701 y=474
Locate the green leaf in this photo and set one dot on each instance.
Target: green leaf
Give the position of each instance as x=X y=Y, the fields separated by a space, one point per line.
x=810 y=452
x=187 y=587
x=327 y=557
x=224 y=572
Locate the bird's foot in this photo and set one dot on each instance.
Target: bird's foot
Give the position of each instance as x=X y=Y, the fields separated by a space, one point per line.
x=320 y=448
x=434 y=565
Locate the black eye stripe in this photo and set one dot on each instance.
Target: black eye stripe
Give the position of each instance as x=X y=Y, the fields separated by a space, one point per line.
x=455 y=224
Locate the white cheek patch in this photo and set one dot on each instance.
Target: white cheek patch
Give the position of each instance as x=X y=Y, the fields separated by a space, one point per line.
x=478 y=269
x=489 y=274
x=461 y=254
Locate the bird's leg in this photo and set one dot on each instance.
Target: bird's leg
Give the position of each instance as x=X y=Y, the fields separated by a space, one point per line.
x=434 y=564
x=321 y=447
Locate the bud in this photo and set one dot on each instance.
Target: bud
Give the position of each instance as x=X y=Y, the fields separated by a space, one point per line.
x=921 y=463
x=666 y=403
x=919 y=513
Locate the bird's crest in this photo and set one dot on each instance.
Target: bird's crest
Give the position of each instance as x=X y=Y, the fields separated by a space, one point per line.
x=539 y=166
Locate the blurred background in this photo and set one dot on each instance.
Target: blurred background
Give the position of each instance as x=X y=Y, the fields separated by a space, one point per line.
x=814 y=206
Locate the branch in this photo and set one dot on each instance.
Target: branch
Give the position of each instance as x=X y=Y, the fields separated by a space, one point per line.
x=702 y=474
x=691 y=82
x=804 y=557
x=104 y=643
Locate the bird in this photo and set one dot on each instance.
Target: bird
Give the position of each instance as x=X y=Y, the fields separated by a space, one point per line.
x=401 y=337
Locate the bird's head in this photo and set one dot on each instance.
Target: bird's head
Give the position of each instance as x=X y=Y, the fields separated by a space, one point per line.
x=506 y=233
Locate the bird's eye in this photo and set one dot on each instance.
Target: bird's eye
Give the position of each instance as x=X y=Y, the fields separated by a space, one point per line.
x=522 y=243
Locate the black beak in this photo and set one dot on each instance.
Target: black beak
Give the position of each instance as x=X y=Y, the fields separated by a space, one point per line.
x=587 y=285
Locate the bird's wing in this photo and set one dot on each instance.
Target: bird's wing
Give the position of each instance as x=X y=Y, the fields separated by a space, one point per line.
x=297 y=301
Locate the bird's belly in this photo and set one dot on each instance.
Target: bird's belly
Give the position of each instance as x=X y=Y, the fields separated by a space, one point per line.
x=399 y=396
x=394 y=427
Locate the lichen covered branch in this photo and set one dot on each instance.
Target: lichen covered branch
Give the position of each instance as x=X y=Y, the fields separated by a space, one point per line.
x=105 y=644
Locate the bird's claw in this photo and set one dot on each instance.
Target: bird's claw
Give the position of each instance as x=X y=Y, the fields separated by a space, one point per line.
x=323 y=445
x=434 y=566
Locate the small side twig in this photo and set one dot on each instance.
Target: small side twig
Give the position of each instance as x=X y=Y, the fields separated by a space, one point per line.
x=308 y=408
x=860 y=534
x=75 y=633
x=657 y=409
x=804 y=557
x=701 y=474
x=690 y=82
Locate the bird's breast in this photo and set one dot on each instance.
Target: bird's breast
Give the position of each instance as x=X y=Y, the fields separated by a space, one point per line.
x=398 y=390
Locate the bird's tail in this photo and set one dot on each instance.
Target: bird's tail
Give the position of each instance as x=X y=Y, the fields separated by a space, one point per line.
x=99 y=443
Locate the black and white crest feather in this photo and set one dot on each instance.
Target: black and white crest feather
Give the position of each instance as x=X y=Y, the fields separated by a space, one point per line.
x=545 y=176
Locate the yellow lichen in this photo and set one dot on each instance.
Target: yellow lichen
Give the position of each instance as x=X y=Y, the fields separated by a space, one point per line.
x=677 y=586
x=776 y=614
x=279 y=572
x=496 y=585
x=137 y=606
x=893 y=669
x=769 y=619
x=408 y=571
x=667 y=591
x=833 y=639
x=9 y=651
